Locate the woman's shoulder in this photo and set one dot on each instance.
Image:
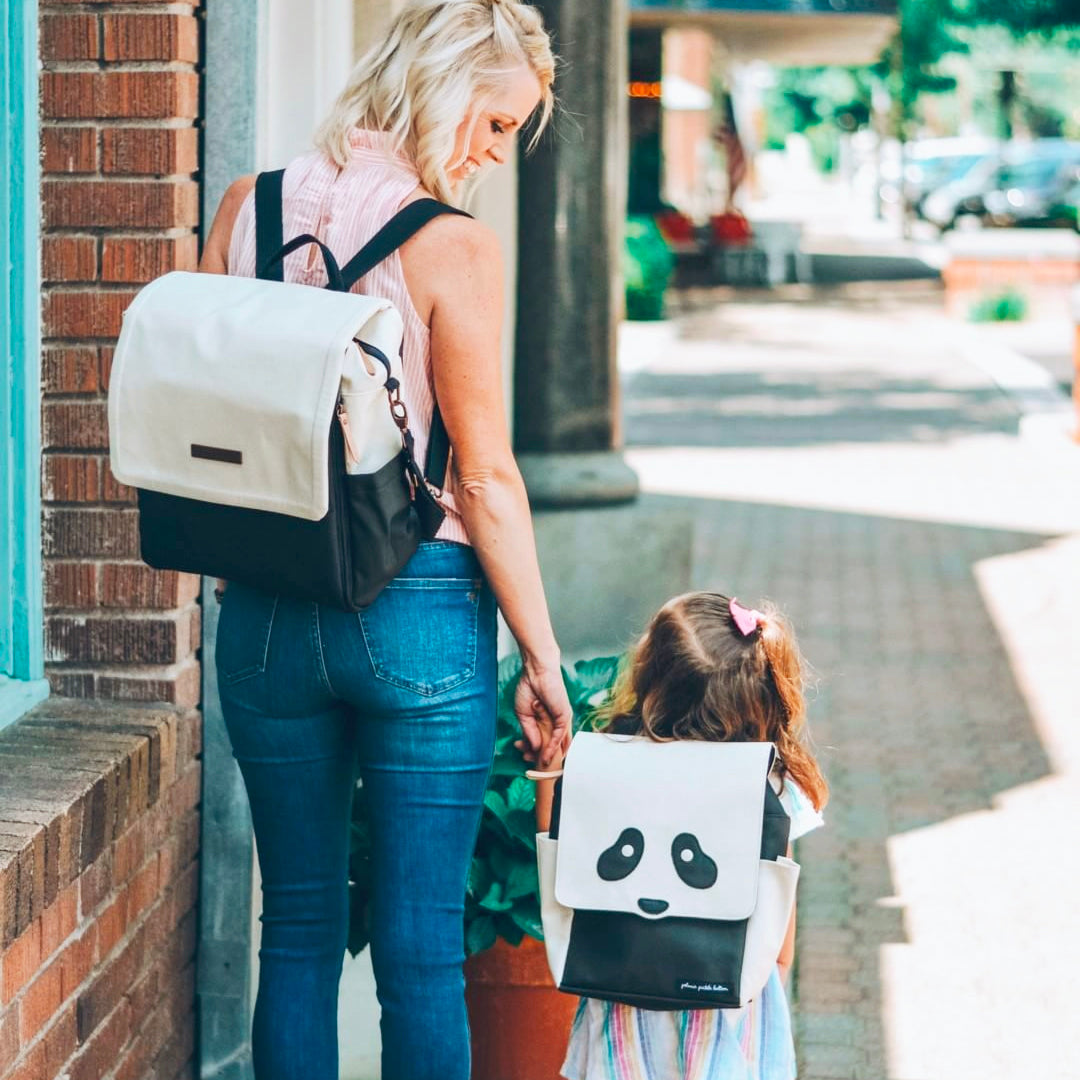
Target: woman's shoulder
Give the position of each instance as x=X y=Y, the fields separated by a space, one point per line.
x=452 y=261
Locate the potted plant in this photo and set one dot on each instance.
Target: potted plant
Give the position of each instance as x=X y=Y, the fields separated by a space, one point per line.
x=519 y=1020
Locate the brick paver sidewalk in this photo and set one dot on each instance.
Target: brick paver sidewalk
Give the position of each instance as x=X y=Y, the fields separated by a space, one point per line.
x=842 y=455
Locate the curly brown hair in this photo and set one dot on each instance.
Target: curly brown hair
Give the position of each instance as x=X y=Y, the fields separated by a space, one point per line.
x=694 y=675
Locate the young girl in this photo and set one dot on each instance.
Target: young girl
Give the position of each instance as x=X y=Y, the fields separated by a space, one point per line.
x=706 y=668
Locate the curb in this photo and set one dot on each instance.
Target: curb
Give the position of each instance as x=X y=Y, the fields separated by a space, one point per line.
x=1046 y=413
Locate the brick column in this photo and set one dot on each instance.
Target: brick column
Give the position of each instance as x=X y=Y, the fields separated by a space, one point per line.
x=120 y=145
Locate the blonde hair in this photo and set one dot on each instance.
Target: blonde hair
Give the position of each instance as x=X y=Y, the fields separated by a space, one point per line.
x=438 y=62
x=695 y=675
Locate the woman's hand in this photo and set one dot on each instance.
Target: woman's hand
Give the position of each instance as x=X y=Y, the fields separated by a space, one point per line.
x=543 y=710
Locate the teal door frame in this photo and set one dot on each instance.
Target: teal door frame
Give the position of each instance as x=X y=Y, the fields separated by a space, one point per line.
x=22 y=658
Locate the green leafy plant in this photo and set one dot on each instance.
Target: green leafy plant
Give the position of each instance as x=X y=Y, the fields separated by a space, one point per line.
x=1008 y=306
x=503 y=895
x=647 y=268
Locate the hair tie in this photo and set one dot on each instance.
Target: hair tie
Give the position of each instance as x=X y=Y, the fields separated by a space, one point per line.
x=746 y=619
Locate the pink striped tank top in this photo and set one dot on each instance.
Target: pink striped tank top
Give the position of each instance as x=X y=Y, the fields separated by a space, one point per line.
x=345 y=207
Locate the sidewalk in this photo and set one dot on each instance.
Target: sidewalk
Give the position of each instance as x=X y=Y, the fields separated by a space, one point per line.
x=842 y=454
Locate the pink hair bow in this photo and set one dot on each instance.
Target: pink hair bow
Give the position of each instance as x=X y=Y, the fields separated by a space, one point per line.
x=746 y=619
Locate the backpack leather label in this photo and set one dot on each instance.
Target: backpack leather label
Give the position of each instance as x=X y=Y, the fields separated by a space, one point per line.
x=217 y=453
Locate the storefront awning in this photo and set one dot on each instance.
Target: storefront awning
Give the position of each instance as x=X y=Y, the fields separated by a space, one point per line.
x=793 y=32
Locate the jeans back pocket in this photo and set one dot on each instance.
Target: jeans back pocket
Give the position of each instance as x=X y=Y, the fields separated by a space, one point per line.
x=421 y=633
x=243 y=633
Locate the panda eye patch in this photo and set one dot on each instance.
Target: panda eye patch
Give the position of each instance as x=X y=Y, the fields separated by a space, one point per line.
x=691 y=863
x=621 y=859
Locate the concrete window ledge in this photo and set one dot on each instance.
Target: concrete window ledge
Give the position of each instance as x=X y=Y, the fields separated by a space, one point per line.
x=99 y=839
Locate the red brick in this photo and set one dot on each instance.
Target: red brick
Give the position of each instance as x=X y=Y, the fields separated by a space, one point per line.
x=161 y=204
x=32 y=1067
x=102 y=1052
x=112 y=491
x=21 y=961
x=70 y=684
x=186 y=894
x=105 y=359
x=112 y=924
x=101 y=997
x=75 y=425
x=78 y=959
x=27 y=841
x=164 y=639
x=70 y=585
x=60 y=1042
x=39 y=1001
x=69 y=258
x=151 y=37
x=9 y=1038
x=150 y=151
x=143 y=889
x=135 y=585
x=181 y=686
x=69 y=37
x=70 y=370
x=91 y=533
x=58 y=920
x=70 y=478
x=178 y=1049
x=138 y=258
x=120 y=94
x=69 y=149
x=84 y=314
x=144 y=996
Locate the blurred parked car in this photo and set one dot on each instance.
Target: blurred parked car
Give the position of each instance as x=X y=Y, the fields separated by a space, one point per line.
x=1033 y=193
x=1031 y=171
x=931 y=163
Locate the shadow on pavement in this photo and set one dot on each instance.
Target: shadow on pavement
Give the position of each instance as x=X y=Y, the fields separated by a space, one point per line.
x=806 y=408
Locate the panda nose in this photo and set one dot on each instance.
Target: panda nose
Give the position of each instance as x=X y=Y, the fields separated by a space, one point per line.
x=652 y=907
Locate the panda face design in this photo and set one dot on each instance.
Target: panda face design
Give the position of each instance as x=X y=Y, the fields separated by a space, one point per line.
x=692 y=866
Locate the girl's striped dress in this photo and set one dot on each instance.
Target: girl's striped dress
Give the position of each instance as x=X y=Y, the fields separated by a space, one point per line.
x=609 y=1041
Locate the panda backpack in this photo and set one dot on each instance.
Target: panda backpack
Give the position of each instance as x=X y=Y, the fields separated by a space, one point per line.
x=664 y=878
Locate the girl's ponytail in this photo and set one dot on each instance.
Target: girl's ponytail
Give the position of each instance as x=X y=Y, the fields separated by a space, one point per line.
x=784 y=663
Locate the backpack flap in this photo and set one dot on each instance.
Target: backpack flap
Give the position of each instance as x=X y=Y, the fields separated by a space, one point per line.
x=661 y=829
x=223 y=389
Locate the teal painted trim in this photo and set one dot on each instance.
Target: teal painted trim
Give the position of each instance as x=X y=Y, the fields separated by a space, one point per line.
x=21 y=606
x=18 y=697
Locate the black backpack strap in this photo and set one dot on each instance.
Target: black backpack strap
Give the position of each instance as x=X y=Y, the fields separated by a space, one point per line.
x=406 y=223
x=269 y=229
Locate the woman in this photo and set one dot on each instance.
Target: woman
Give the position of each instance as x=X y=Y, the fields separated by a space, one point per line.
x=405 y=690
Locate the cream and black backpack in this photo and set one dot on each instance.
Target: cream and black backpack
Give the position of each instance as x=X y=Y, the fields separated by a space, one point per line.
x=664 y=878
x=263 y=426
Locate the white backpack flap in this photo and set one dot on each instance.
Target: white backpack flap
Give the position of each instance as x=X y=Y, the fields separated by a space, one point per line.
x=656 y=892
x=223 y=389
x=661 y=829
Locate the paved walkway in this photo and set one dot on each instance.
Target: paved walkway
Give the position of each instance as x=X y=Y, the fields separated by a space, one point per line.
x=844 y=455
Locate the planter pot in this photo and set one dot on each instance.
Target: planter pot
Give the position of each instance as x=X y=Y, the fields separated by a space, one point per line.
x=520 y=1023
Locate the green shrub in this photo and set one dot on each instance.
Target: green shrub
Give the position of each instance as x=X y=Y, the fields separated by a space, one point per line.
x=1008 y=306
x=647 y=268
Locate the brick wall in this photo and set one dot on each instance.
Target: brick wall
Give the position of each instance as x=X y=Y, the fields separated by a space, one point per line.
x=99 y=833
x=120 y=152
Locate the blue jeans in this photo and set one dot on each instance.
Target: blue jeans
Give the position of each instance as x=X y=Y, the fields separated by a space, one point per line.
x=402 y=693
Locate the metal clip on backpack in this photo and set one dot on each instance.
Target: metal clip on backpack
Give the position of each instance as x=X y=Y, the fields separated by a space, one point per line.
x=263 y=426
x=664 y=881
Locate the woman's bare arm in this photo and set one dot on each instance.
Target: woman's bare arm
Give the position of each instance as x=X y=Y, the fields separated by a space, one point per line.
x=215 y=255
x=460 y=266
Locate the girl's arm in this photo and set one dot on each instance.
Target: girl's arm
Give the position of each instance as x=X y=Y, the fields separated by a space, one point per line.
x=787 y=950
x=545 y=795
